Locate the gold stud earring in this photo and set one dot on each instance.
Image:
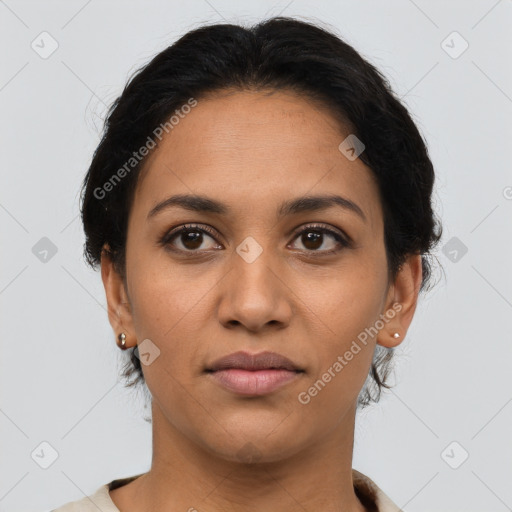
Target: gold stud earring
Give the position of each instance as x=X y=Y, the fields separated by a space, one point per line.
x=121 y=341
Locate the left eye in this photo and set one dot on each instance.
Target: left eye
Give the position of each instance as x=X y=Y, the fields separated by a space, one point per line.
x=313 y=238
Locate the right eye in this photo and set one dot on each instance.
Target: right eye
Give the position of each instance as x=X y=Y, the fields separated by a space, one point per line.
x=190 y=236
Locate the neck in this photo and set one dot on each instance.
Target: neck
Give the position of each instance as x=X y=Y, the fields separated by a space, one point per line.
x=189 y=477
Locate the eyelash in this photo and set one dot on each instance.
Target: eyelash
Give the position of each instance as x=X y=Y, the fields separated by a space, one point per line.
x=343 y=242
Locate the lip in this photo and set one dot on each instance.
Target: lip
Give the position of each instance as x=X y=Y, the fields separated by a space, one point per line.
x=254 y=374
x=260 y=361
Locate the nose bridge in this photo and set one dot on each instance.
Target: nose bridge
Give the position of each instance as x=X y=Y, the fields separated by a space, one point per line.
x=253 y=294
x=252 y=264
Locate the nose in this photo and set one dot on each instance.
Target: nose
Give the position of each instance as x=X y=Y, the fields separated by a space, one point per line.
x=254 y=296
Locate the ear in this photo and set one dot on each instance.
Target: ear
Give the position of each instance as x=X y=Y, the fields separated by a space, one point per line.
x=401 y=300
x=119 y=310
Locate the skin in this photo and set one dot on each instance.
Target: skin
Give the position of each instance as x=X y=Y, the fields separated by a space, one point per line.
x=252 y=150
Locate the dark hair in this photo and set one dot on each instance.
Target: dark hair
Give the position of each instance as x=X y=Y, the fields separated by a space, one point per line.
x=277 y=54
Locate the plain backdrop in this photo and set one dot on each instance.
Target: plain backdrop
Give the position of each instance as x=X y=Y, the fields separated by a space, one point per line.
x=441 y=439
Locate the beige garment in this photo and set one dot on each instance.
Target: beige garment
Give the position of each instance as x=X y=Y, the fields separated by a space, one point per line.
x=367 y=491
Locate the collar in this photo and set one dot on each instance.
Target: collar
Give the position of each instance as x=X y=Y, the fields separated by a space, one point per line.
x=372 y=497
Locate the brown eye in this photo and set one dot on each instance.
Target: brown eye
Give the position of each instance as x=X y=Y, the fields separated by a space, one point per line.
x=189 y=238
x=313 y=238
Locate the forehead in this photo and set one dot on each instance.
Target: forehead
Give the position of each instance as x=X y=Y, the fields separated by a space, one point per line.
x=233 y=123
x=265 y=146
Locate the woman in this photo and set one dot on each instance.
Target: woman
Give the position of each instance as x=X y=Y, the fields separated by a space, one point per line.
x=260 y=206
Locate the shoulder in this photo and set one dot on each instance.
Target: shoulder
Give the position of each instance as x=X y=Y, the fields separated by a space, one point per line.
x=368 y=491
x=100 y=499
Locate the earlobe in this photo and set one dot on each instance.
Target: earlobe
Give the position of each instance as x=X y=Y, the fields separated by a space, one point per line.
x=119 y=314
x=392 y=334
x=121 y=341
x=404 y=297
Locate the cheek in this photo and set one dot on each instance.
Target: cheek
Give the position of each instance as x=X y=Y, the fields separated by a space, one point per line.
x=165 y=312
x=348 y=299
x=343 y=356
x=164 y=296
x=347 y=311
x=168 y=308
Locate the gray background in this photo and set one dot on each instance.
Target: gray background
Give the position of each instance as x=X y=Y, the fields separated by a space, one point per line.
x=59 y=361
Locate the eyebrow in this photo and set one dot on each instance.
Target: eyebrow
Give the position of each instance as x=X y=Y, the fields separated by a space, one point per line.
x=204 y=204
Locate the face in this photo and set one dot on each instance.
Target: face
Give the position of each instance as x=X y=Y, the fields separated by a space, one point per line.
x=248 y=274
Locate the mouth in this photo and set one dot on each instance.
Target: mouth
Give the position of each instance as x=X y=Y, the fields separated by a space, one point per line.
x=253 y=375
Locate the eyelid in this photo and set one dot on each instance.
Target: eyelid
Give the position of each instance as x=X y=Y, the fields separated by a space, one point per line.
x=341 y=237
x=327 y=228
x=168 y=236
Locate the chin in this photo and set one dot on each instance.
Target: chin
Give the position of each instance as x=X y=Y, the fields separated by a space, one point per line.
x=253 y=452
